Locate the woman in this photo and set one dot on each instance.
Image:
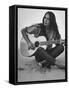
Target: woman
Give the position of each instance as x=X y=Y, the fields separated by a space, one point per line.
x=49 y=29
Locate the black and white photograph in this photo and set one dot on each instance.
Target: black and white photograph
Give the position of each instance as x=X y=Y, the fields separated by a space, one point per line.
x=41 y=44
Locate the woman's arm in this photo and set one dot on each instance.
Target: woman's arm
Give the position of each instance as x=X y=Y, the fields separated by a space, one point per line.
x=34 y=29
x=25 y=35
x=29 y=30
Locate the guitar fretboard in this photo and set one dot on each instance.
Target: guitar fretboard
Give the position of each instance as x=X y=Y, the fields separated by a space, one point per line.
x=52 y=42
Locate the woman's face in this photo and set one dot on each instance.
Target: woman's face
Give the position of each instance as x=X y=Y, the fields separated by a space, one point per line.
x=47 y=20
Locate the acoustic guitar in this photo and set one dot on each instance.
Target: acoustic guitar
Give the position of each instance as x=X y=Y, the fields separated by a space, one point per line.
x=38 y=42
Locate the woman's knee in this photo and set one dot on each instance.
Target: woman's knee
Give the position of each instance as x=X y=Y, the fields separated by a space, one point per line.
x=61 y=48
x=40 y=49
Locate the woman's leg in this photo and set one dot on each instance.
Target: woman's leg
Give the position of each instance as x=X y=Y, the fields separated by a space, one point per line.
x=48 y=55
x=41 y=55
x=56 y=51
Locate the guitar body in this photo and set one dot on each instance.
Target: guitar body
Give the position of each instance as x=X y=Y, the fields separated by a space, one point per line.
x=24 y=47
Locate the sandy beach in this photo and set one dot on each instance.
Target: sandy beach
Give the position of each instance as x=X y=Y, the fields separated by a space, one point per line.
x=28 y=70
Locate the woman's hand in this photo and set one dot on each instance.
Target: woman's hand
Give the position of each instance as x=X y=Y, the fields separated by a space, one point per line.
x=31 y=45
x=49 y=46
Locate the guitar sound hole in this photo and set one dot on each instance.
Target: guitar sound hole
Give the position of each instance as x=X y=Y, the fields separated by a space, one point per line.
x=36 y=44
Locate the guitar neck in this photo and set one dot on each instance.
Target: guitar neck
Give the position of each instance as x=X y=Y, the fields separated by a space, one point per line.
x=52 y=42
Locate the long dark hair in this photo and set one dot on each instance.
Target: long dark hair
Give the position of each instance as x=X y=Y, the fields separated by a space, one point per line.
x=53 y=23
